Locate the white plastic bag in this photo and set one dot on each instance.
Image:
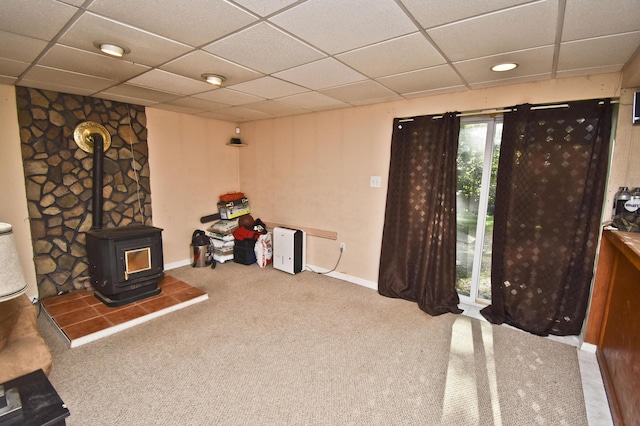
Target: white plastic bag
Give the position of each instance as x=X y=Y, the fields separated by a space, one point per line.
x=263 y=250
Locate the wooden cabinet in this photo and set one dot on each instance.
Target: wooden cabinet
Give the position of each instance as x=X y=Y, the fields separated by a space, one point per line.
x=614 y=323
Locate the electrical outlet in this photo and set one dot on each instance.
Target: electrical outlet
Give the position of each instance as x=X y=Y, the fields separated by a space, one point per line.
x=375 y=182
x=343 y=247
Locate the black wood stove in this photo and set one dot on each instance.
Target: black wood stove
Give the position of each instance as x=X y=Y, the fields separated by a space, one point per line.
x=125 y=263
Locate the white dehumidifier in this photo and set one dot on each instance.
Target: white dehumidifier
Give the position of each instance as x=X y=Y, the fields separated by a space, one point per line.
x=289 y=249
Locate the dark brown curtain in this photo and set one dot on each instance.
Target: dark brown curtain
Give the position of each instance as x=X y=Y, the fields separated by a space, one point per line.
x=549 y=195
x=418 y=256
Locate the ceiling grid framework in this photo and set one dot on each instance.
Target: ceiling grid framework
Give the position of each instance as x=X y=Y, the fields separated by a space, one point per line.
x=288 y=57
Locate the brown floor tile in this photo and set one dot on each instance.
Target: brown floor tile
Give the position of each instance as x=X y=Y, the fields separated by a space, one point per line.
x=80 y=313
x=167 y=279
x=158 y=303
x=67 y=306
x=73 y=317
x=50 y=301
x=85 y=328
x=188 y=294
x=125 y=314
x=174 y=287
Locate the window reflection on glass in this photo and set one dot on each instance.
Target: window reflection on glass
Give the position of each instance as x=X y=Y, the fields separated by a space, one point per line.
x=138 y=260
x=477 y=164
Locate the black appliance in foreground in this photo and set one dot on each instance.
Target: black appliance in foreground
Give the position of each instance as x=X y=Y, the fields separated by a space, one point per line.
x=125 y=263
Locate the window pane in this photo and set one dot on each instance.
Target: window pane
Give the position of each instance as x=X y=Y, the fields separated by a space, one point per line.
x=484 y=287
x=471 y=147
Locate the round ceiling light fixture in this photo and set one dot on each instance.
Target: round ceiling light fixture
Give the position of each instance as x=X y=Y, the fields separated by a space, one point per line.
x=112 y=49
x=213 y=79
x=507 y=66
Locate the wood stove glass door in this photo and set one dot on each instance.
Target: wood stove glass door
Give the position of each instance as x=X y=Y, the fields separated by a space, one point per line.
x=137 y=260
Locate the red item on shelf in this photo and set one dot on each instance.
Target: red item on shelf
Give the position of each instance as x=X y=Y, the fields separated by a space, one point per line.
x=231 y=196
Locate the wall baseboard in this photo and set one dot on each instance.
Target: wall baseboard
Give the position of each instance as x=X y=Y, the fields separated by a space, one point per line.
x=178 y=264
x=344 y=277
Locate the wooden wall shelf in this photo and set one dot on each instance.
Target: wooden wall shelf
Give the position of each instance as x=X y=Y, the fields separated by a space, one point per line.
x=614 y=321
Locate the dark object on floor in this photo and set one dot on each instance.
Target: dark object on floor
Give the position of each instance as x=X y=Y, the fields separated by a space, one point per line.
x=243 y=251
x=41 y=404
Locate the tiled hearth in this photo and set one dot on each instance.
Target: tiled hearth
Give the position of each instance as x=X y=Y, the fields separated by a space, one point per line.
x=82 y=318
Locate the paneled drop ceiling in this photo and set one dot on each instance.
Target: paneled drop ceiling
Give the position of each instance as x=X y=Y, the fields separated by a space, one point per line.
x=287 y=57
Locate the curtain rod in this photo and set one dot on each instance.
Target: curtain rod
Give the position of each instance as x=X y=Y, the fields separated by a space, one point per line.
x=500 y=111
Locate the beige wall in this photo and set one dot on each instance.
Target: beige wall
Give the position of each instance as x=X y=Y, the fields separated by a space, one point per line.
x=191 y=165
x=13 y=196
x=309 y=170
x=313 y=170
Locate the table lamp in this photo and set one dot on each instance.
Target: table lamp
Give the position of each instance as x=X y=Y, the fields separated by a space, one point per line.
x=12 y=284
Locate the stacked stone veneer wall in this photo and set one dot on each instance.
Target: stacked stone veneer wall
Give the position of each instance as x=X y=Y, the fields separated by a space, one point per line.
x=58 y=179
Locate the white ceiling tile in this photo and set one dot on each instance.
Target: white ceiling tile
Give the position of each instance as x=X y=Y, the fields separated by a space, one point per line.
x=433 y=13
x=79 y=82
x=145 y=48
x=265 y=7
x=588 y=71
x=55 y=87
x=321 y=74
x=530 y=62
x=270 y=49
x=361 y=93
x=178 y=108
x=514 y=80
x=76 y=3
x=268 y=88
x=123 y=99
x=275 y=108
x=519 y=28
x=194 y=22
x=417 y=81
x=229 y=97
x=313 y=101
x=264 y=48
x=81 y=61
x=336 y=26
x=238 y=114
x=8 y=81
x=194 y=64
x=11 y=68
x=45 y=18
x=141 y=93
x=157 y=79
x=591 y=18
x=19 y=47
x=433 y=92
x=193 y=103
x=406 y=53
x=611 y=50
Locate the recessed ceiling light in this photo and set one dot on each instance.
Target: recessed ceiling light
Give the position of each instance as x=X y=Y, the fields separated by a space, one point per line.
x=213 y=79
x=112 y=49
x=507 y=66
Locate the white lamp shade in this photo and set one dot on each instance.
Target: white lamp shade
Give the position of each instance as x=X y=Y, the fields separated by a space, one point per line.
x=12 y=282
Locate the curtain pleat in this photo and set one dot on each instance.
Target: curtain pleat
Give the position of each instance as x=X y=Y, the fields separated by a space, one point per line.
x=418 y=254
x=549 y=196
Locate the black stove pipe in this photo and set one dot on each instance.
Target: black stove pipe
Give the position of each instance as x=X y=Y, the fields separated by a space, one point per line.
x=98 y=147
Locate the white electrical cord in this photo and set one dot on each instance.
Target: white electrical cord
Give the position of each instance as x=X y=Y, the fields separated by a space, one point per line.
x=135 y=172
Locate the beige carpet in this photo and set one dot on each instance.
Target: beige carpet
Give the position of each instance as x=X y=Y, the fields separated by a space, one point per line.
x=268 y=348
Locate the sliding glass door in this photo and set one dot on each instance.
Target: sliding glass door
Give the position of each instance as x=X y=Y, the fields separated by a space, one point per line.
x=478 y=153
